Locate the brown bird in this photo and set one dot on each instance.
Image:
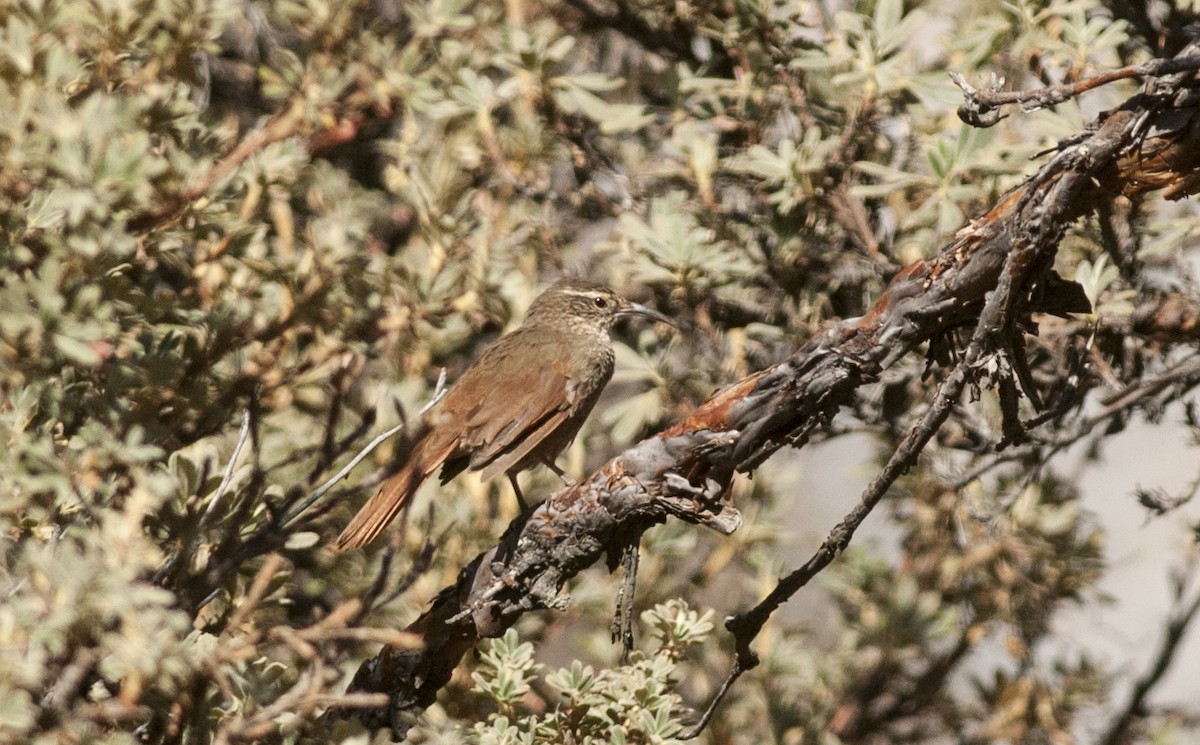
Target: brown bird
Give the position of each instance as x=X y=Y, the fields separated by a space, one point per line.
x=520 y=404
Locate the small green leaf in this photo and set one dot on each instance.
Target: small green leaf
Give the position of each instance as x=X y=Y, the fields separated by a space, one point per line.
x=300 y=541
x=75 y=350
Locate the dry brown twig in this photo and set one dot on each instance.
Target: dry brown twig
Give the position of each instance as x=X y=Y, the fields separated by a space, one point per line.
x=284 y=124
x=982 y=107
x=1183 y=613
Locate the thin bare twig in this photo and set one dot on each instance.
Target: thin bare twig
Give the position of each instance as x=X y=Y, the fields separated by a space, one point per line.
x=1182 y=614
x=438 y=392
x=227 y=476
x=982 y=107
x=184 y=555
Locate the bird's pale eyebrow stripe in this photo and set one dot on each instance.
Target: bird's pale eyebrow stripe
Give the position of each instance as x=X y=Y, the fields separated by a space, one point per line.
x=583 y=293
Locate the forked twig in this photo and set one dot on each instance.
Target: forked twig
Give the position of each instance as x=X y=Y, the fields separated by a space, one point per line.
x=982 y=107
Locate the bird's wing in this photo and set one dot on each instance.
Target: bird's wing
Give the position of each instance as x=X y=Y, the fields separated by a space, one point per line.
x=505 y=460
x=508 y=404
x=554 y=428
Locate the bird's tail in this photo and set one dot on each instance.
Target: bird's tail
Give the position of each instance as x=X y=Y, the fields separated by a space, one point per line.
x=392 y=497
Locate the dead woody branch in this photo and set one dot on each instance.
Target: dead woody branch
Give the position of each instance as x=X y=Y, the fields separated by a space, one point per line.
x=989 y=278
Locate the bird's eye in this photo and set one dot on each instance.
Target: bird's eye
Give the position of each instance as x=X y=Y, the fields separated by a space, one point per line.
x=601 y=302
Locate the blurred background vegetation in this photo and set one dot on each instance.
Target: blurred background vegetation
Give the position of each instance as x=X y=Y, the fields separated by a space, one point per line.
x=291 y=214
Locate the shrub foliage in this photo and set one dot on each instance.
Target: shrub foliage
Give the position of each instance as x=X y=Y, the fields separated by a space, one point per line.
x=241 y=237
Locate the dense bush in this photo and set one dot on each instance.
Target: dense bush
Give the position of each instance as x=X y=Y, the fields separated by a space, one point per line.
x=241 y=237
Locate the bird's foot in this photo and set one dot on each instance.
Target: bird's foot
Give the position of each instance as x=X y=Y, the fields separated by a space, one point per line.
x=567 y=480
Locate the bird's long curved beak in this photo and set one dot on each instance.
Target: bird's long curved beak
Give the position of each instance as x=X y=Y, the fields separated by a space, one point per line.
x=637 y=309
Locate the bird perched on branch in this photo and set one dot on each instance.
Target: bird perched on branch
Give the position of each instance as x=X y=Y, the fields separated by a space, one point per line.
x=520 y=404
